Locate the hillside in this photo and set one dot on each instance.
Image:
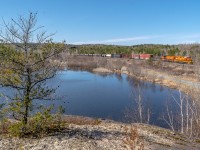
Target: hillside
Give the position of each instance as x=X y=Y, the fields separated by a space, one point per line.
x=92 y=134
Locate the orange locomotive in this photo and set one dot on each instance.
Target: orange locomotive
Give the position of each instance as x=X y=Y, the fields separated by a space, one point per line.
x=179 y=59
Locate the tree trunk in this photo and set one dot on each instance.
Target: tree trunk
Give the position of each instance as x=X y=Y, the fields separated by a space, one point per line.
x=25 y=118
x=27 y=97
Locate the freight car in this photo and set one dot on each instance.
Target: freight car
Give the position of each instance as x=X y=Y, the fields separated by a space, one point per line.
x=146 y=56
x=116 y=56
x=135 y=56
x=132 y=56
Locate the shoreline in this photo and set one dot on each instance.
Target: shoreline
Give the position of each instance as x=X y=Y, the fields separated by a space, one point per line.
x=172 y=75
x=172 y=82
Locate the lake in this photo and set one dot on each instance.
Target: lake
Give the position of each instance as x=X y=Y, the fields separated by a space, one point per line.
x=109 y=96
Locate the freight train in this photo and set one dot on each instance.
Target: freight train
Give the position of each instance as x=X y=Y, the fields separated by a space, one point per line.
x=128 y=56
x=177 y=59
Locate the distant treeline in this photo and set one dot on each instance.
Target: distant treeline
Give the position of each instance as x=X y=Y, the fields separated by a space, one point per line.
x=192 y=50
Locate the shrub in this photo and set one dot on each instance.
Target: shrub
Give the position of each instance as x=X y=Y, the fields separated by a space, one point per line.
x=41 y=124
x=133 y=141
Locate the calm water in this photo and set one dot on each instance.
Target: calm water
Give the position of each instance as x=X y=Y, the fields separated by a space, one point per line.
x=107 y=95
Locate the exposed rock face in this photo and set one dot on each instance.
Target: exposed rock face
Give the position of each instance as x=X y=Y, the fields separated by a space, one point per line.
x=104 y=135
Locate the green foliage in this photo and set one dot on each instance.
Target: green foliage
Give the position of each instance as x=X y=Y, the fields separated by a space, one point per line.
x=184 y=53
x=173 y=51
x=112 y=49
x=1 y=112
x=16 y=129
x=41 y=124
x=58 y=117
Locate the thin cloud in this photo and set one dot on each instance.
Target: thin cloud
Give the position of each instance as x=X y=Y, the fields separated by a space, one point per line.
x=164 y=39
x=188 y=42
x=192 y=36
x=118 y=40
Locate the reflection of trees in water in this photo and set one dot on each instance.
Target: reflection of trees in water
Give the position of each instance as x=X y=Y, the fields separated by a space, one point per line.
x=153 y=87
x=179 y=111
x=105 y=75
x=80 y=69
x=118 y=76
x=161 y=89
x=144 y=85
x=133 y=83
x=139 y=109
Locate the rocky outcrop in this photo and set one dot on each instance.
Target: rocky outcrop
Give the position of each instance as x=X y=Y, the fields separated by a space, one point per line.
x=91 y=134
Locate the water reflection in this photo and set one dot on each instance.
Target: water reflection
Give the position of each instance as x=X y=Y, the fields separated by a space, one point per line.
x=108 y=96
x=148 y=102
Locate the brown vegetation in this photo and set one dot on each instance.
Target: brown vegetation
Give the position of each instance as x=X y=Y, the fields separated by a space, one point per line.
x=132 y=140
x=106 y=135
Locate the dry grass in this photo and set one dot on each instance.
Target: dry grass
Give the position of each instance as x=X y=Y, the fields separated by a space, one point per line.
x=133 y=141
x=4 y=124
x=81 y=120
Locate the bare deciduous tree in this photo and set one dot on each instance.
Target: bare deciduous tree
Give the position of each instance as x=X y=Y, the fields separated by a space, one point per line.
x=185 y=118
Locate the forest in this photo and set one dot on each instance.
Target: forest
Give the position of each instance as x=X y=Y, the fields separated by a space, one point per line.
x=192 y=50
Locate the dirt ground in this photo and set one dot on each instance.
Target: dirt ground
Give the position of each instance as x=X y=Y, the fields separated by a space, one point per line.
x=84 y=133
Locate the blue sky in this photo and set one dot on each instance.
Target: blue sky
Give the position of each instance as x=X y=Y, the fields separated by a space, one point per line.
x=120 y=22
